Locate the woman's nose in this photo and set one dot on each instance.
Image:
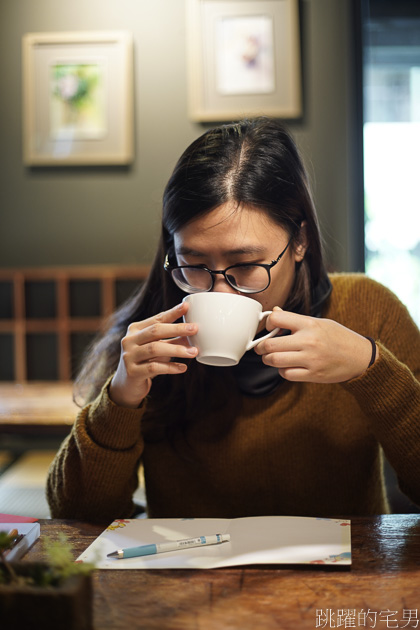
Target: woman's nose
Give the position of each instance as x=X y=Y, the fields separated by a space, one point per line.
x=221 y=285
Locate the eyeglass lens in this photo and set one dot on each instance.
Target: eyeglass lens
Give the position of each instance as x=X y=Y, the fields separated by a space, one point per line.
x=244 y=278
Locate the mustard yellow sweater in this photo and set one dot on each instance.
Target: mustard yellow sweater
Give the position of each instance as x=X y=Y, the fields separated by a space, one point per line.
x=306 y=449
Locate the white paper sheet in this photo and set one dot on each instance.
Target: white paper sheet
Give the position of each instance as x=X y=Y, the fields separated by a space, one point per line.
x=254 y=540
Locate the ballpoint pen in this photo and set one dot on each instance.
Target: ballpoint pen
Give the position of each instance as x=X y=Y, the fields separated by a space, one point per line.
x=175 y=545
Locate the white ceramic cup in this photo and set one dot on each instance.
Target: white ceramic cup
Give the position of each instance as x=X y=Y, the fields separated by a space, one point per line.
x=227 y=324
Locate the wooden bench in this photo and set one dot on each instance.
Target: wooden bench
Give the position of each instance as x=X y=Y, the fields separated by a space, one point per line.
x=47 y=318
x=36 y=408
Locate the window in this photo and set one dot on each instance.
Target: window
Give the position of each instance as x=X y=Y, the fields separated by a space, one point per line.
x=391 y=140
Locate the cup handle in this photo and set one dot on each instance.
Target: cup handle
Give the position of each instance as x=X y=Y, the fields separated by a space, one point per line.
x=255 y=342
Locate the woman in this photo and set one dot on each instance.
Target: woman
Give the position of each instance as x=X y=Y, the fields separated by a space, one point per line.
x=300 y=426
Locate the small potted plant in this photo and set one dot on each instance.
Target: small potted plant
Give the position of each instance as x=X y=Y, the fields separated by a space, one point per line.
x=56 y=594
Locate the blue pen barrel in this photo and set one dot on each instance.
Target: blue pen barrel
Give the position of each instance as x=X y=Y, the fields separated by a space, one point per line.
x=175 y=545
x=144 y=550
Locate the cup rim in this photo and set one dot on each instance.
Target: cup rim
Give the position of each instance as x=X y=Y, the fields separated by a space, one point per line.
x=221 y=293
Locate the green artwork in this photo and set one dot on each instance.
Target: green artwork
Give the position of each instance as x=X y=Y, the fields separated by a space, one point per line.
x=77 y=103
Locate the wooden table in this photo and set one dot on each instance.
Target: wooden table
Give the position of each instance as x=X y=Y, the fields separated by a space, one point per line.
x=37 y=407
x=381 y=589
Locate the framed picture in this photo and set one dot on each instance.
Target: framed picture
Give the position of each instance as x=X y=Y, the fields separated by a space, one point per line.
x=243 y=59
x=77 y=98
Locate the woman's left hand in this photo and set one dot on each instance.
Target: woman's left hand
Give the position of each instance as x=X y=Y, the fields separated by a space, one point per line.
x=317 y=350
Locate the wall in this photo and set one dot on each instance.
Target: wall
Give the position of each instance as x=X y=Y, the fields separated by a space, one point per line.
x=51 y=216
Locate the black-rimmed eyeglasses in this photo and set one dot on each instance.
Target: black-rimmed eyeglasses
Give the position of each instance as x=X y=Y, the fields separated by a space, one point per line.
x=242 y=277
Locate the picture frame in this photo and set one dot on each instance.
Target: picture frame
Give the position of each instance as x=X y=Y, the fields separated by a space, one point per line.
x=243 y=59
x=77 y=98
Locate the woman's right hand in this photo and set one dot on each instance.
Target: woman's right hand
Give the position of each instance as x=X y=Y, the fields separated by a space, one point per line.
x=146 y=352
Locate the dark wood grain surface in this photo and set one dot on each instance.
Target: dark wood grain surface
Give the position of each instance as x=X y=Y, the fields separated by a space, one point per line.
x=380 y=590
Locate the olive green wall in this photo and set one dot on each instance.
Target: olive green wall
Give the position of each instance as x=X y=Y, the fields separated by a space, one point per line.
x=54 y=216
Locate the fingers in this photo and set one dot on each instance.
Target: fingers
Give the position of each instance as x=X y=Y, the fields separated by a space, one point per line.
x=295 y=374
x=160 y=340
x=165 y=317
x=162 y=326
x=285 y=320
x=156 y=357
x=279 y=344
x=169 y=316
x=151 y=348
x=283 y=359
x=155 y=367
x=160 y=351
x=157 y=341
x=318 y=350
x=284 y=354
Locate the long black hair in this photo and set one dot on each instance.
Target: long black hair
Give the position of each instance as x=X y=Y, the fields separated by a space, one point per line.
x=253 y=163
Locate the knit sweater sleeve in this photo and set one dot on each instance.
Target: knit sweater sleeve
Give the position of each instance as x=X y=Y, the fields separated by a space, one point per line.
x=389 y=392
x=95 y=471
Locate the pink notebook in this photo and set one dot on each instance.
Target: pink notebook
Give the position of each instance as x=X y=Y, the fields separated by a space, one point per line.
x=11 y=518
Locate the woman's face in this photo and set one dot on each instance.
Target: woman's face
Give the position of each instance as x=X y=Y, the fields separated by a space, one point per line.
x=230 y=235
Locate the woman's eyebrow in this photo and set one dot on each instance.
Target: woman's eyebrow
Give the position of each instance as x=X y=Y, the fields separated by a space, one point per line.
x=239 y=251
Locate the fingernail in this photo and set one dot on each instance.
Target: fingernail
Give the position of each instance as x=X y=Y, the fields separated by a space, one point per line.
x=190 y=328
x=277 y=308
x=192 y=350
